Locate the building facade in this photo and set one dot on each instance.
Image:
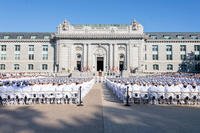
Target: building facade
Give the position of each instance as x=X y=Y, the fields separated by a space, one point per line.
x=100 y=47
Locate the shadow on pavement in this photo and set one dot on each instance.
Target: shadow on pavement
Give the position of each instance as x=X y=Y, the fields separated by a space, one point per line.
x=115 y=118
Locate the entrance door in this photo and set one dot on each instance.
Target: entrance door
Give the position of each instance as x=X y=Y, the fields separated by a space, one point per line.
x=78 y=65
x=99 y=63
x=121 y=65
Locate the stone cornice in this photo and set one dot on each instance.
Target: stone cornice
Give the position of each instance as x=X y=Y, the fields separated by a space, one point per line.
x=25 y=40
x=99 y=36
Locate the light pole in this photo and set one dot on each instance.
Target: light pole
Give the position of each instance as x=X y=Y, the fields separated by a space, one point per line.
x=127 y=96
x=80 y=101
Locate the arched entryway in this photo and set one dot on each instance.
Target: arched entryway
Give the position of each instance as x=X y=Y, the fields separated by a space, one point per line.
x=121 y=62
x=78 y=62
x=100 y=63
x=100 y=59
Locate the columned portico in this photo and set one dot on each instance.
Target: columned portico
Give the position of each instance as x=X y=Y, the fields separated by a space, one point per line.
x=105 y=48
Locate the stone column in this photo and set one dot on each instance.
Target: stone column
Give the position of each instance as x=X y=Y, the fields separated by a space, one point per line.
x=87 y=64
x=128 y=56
x=110 y=56
x=140 y=52
x=84 y=56
x=57 y=55
x=115 y=56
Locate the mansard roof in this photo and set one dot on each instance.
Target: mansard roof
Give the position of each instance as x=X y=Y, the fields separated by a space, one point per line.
x=25 y=35
x=173 y=35
x=150 y=35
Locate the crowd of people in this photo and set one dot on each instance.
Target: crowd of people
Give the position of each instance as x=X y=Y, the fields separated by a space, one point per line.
x=44 y=90
x=168 y=88
x=157 y=89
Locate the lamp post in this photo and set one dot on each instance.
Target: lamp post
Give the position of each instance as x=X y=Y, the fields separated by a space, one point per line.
x=80 y=101
x=127 y=96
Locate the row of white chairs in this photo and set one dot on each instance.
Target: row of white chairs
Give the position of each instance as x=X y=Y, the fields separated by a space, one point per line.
x=44 y=96
x=39 y=98
x=153 y=97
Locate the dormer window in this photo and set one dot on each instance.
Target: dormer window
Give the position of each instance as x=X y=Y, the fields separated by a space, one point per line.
x=166 y=37
x=193 y=37
x=6 y=37
x=46 y=37
x=153 y=36
x=33 y=37
x=19 y=37
x=180 y=37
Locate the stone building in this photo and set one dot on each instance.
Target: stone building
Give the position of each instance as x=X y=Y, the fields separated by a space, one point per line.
x=99 y=47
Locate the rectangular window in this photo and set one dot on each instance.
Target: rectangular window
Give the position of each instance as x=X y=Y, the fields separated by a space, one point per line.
x=2 y=66
x=145 y=47
x=3 y=47
x=154 y=47
x=197 y=57
x=3 y=56
x=45 y=48
x=197 y=50
x=168 y=47
x=17 y=56
x=196 y=47
x=44 y=66
x=183 y=56
x=31 y=48
x=30 y=67
x=16 y=66
x=169 y=57
x=45 y=56
x=17 y=47
x=182 y=47
x=145 y=67
x=145 y=57
x=169 y=67
x=155 y=56
x=31 y=56
x=155 y=67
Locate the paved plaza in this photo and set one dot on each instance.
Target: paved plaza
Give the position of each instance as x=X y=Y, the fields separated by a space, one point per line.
x=101 y=113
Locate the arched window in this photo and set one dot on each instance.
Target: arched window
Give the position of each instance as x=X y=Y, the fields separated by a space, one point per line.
x=2 y=66
x=78 y=57
x=121 y=57
x=155 y=67
x=169 y=67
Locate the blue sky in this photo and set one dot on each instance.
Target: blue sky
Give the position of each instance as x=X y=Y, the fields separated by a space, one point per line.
x=45 y=15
